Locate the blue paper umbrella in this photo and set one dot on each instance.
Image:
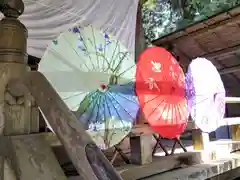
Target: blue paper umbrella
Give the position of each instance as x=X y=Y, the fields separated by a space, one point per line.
x=94 y=75
x=108 y=113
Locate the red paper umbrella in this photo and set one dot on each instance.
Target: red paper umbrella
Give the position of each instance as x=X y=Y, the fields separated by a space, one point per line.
x=160 y=90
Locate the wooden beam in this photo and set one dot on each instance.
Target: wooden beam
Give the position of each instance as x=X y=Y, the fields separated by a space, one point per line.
x=208 y=28
x=159 y=165
x=230 y=70
x=203 y=171
x=223 y=52
x=87 y=158
x=231 y=100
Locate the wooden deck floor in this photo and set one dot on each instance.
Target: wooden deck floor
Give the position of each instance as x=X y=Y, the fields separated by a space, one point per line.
x=191 y=165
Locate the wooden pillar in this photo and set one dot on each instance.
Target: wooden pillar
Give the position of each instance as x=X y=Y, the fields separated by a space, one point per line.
x=21 y=157
x=12 y=65
x=140 y=40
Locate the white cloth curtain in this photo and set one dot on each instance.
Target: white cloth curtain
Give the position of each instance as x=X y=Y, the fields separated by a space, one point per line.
x=46 y=19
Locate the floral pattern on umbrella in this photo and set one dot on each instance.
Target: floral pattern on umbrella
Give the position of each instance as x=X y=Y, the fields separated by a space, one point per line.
x=94 y=74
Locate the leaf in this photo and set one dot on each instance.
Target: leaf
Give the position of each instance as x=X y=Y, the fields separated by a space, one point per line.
x=83 y=106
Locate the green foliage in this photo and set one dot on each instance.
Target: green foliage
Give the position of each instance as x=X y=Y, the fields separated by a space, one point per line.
x=161 y=17
x=84 y=105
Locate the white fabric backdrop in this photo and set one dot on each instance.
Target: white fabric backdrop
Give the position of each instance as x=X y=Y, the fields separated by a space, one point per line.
x=46 y=19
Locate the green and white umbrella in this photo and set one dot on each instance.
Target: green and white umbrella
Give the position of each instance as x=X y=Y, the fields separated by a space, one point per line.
x=94 y=74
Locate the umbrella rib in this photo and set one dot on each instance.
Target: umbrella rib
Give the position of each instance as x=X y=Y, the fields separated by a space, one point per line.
x=178 y=114
x=92 y=109
x=169 y=106
x=115 y=109
x=66 y=61
x=113 y=55
x=152 y=99
x=66 y=98
x=89 y=104
x=77 y=52
x=161 y=112
x=87 y=50
x=174 y=111
x=101 y=55
x=106 y=132
x=94 y=41
x=104 y=55
x=183 y=111
x=127 y=99
x=99 y=105
x=105 y=105
x=126 y=70
x=120 y=61
x=130 y=81
x=121 y=106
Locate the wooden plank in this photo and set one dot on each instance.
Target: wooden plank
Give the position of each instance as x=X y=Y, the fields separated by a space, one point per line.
x=31 y=158
x=223 y=52
x=210 y=28
x=229 y=175
x=223 y=148
x=230 y=70
x=201 y=171
x=232 y=99
x=159 y=164
x=87 y=158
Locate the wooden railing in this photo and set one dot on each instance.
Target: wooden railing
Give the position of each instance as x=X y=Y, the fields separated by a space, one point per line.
x=87 y=158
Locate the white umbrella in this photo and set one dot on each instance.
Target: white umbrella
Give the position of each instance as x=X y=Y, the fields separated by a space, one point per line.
x=205 y=95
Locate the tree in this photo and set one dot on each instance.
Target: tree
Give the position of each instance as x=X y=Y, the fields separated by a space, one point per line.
x=161 y=17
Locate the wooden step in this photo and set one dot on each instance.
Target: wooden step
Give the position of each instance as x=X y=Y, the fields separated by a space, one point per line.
x=30 y=157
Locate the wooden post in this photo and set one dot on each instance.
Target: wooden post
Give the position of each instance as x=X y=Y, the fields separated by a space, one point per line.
x=141 y=149
x=12 y=57
x=200 y=139
x=236 y=132
x=18 y=115
x=140 y=40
